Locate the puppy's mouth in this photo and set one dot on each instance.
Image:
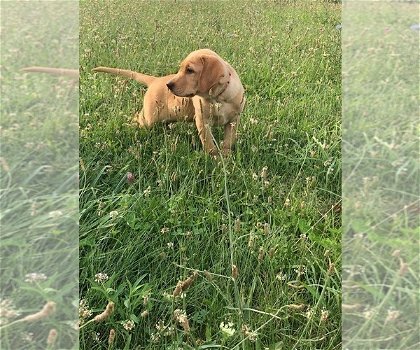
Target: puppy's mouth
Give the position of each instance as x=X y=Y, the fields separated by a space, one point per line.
x=182 y=95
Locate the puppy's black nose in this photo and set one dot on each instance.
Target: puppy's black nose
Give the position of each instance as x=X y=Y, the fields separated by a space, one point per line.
x=170 y=85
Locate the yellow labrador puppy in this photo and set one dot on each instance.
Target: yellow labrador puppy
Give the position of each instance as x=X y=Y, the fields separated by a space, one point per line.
x=206 y=90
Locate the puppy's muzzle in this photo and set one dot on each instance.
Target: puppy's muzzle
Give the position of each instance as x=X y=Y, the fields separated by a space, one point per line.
x=170 y=85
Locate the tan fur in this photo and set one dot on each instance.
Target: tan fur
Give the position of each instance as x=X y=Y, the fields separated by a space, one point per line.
x=206 y=90
x=71 y=73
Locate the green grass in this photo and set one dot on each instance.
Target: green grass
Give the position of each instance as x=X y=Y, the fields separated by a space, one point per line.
x=272 y=209
x=39 y=184
x=381 y=181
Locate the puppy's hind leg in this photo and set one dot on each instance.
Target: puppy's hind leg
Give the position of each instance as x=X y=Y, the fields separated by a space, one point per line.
x=139 y=120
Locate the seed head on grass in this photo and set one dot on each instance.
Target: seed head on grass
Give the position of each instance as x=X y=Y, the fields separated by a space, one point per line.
x=237 y=225
x=52 y=337
x=272 y=251
x=4 y=165
x=403 y=268
x=251 y=240
x=264 y=173
x=261 y=254
x=235 y=272
x=351 y=307
x=208 y=275
x=111 y=337
x=297 y=307
x=266 y=229
x=47 y=310
x=396 y=253
x=331 y=268
x=182 y=286
x=106 y=313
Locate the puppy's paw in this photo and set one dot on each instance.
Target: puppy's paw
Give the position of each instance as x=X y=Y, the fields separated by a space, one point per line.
x=226 y=152
x=214 y=153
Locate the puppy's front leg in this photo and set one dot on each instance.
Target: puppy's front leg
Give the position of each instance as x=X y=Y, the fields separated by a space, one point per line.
x=230 y=135
x=202 y=112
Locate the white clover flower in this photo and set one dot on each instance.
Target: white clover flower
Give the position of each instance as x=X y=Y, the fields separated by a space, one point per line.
x=113 y=214
x=128 y=325
x=227 y=329
x=392 y=315
x=324 y=315
x=55 y=214
x=147 y=191
x=164 y=230
x=170 y=297
x=281 y=276
x=84 y=310
x=368 y=314
x=7 y=310
x=101 y=277
x=249 y=333
x=35 y=277
x=154 y=337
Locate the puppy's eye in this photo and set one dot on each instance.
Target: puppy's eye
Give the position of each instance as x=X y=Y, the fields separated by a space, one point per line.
x=189 y=70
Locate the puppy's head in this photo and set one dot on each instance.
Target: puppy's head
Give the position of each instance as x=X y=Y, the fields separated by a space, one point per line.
x=199 y=74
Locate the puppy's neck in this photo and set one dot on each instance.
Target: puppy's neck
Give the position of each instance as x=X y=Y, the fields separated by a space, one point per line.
x=216 y=92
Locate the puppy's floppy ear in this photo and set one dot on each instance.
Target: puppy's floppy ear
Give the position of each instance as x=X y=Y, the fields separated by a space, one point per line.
x=214 y=72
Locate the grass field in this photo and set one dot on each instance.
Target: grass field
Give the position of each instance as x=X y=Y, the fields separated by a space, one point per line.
x=260 y=231
x=381 y=176
x=39 y=182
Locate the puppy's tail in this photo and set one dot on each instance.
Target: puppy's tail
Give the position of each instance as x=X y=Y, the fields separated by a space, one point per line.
x=141 y=78
x=71 y=73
